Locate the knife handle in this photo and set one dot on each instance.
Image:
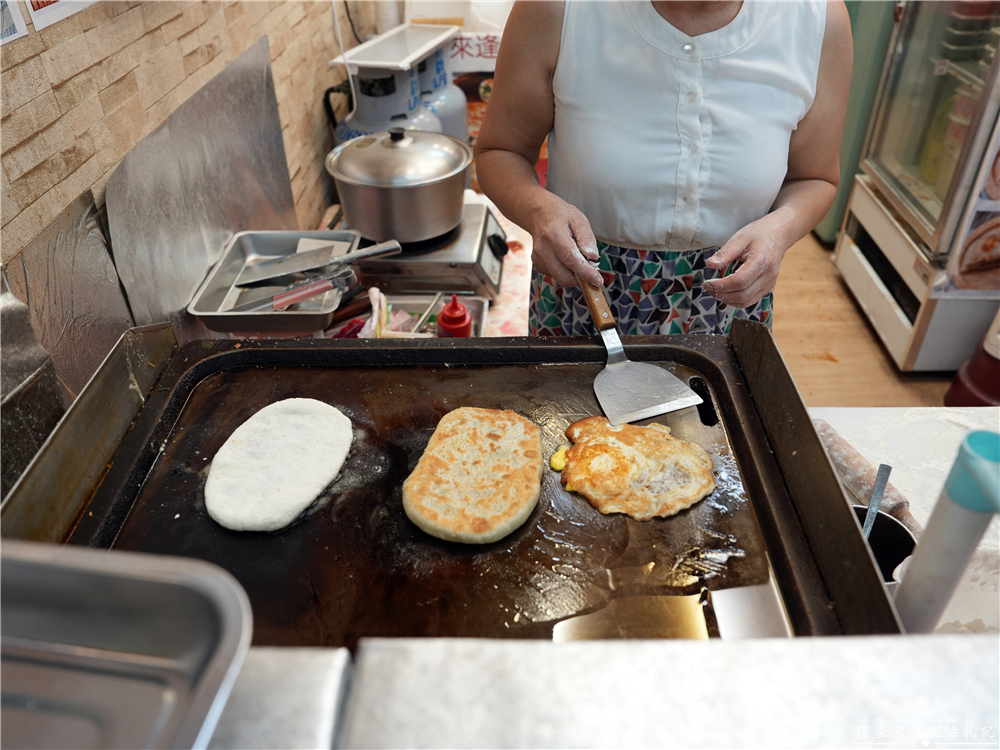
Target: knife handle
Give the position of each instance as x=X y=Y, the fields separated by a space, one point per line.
x=597 y=304
x=287 y=299
x=389 y=247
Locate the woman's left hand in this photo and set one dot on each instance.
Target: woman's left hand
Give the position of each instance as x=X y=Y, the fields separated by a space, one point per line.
x=810 y=183
x=757 y=251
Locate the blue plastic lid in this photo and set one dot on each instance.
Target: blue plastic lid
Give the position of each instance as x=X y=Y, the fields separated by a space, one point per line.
x=974 y=480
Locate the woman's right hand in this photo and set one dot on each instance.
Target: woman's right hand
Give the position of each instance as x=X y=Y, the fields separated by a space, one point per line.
x=563 y=244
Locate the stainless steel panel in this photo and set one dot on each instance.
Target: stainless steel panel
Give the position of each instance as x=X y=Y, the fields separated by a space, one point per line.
x=820 y=501
x=66 y=279
x=285 y=699
x=23 y=355
x=219 y=292
x=116 y=650
x=465 y=264
x=768 y=693
x=215 y=167
x=45 y=502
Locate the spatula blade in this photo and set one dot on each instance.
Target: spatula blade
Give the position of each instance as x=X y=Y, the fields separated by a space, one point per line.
x=629 y=391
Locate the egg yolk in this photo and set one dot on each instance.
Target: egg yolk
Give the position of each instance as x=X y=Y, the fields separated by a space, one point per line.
x=558 y=460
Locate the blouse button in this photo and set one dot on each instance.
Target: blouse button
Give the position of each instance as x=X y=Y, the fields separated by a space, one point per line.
x=691 y=96
x=687 y=47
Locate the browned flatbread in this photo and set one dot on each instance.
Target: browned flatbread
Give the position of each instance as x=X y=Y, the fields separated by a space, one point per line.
x=642 y=471
x=479 y=477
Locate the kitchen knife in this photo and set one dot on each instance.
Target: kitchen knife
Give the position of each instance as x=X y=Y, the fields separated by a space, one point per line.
x=881 y=480
x=293 y=263
x=311 y=260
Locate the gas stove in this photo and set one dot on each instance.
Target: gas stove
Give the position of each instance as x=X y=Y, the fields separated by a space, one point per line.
x=466 y=260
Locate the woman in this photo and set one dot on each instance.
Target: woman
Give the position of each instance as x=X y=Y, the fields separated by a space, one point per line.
x=690 y=145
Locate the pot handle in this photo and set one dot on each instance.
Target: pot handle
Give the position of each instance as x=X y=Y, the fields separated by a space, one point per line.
x=398 y=138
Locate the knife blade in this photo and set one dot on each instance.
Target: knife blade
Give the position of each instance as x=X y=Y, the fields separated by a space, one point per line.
x=293 y=263
x=311 y=260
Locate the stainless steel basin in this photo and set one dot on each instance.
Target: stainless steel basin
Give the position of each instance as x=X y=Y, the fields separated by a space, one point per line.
x=116 y=649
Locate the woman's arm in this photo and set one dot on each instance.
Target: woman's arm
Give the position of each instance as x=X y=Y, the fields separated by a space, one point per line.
x=810 y=183
x=518 y=117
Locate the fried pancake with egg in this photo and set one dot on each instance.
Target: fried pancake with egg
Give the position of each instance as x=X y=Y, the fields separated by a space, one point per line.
x=642 y=471
x=479 y=477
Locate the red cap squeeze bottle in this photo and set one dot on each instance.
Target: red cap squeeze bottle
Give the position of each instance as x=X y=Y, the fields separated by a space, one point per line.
x=454 y=320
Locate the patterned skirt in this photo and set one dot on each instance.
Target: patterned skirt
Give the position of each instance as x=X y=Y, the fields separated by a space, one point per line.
x=650 y=292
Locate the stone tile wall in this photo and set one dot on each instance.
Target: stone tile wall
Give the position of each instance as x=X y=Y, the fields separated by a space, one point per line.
x=76 y=96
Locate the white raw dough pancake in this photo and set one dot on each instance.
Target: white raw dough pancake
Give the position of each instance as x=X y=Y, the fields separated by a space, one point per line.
x=276 y=464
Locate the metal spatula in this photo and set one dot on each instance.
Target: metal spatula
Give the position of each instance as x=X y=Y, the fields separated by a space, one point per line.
x=629 y=391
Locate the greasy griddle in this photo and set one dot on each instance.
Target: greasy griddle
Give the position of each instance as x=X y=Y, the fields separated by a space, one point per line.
x=354 y=565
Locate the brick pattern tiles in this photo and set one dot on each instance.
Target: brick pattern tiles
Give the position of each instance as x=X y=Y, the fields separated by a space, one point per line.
x=75 y=97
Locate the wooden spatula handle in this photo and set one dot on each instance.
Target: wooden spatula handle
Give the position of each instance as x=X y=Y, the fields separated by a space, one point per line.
x=597 y=304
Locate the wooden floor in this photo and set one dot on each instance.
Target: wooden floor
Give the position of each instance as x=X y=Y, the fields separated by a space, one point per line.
x=833 y=353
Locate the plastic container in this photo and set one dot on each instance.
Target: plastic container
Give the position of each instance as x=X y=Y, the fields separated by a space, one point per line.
x=966 y=99
x=967 y=38
x=970 y=498
x=977 y=382
x=956 y=53
x=975 y=9
x=958 y=129
x=454 y=320
x=961 y=22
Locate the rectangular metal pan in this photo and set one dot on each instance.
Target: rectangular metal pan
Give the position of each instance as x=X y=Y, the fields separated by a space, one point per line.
x=246 y=249
x=116 y=650
x=354 y=565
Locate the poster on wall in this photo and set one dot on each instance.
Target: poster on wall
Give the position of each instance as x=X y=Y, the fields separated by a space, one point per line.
x=12 y=25
x=46 y=12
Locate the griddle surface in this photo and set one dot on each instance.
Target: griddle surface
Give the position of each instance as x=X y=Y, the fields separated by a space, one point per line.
x=355 y=566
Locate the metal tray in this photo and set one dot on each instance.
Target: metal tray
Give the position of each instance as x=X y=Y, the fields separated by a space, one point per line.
x=116 y=650
x=245 y=249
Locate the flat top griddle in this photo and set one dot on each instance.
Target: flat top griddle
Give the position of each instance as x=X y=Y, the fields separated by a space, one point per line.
x=354 y=565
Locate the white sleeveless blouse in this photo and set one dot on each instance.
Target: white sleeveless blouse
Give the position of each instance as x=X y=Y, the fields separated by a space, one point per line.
x=671 y=142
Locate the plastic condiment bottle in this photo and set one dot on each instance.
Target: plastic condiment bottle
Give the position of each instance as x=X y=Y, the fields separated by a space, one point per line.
x=967 y=504
x=454 y=320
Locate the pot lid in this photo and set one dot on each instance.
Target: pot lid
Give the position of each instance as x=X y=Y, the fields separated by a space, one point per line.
x=399 y=158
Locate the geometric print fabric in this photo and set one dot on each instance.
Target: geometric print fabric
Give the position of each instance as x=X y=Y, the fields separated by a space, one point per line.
x=649 y=291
